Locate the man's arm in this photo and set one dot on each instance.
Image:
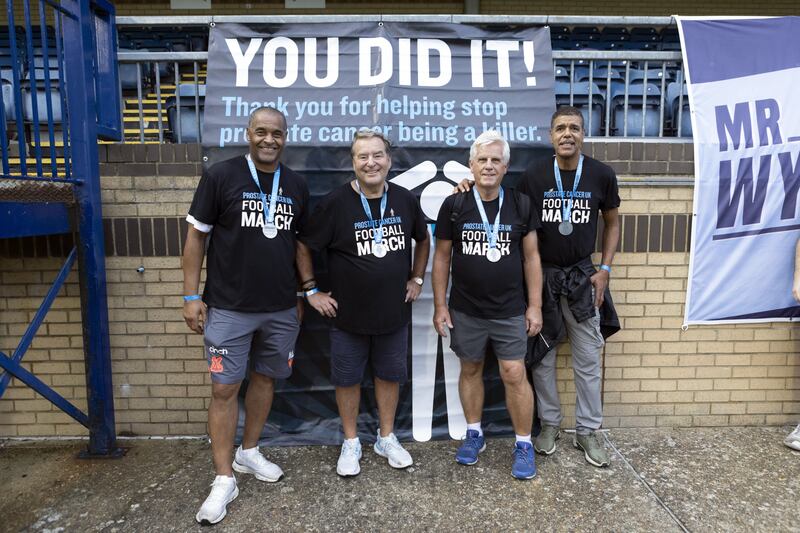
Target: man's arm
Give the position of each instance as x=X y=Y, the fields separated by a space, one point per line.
x=321 y=301
x=533 y=283
x=610 y=240
x=439 y=276
x=421 y=252
x=796 y=284
x=194 y=311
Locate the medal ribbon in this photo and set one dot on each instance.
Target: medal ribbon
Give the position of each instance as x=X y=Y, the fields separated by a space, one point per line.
x=566 y=210
x=491 y=232
x=379 y=231
x=273 y=201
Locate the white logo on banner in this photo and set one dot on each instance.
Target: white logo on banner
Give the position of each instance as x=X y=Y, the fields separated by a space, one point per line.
x=425 y=340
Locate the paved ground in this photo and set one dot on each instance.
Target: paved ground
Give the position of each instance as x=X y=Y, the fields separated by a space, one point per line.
x=731 y=479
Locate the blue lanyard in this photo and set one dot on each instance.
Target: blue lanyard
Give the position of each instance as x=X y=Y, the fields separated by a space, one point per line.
x=491 y=232
x=379 y=230
x=566 y=210
x=273 y=201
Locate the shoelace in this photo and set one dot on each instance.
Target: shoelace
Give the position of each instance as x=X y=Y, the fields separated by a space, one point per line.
x=391 y=443
x=218 y=493
x=350 y=449
x=521 y=453
x=472 y=442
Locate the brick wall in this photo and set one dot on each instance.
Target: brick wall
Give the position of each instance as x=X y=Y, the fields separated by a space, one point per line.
x=453 y=7
x=655 y=374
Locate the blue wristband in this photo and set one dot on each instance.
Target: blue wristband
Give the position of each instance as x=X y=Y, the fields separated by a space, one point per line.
x=311 y=291
x=191 y=298
x=606 y=268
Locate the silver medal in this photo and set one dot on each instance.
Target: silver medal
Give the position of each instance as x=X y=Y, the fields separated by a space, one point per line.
x=378 y=249
x=565 y=228
x=270 y=230
x=493 y=255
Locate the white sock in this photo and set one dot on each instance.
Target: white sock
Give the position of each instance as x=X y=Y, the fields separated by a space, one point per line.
x=476 y=427
x=524 y=438
x=249 y=451
x=352 y=441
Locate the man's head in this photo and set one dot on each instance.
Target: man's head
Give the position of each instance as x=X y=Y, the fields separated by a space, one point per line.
x=371 y=157
x=266 y=133
x=566 y=132
x=488 y=159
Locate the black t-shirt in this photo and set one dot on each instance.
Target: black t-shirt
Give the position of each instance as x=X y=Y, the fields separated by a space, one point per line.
x=248 y=272
x=481 y=288
x=597 y=191
x=370 y=291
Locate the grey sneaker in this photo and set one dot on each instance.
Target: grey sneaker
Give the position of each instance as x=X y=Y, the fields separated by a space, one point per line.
x=793 y=439
x=545 y=442
x=593 y=451
x=390 y=448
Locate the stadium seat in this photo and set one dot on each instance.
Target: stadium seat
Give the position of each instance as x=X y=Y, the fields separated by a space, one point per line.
x=185 y=127
x=640 y=110
x=671 y=105
x=580 y=99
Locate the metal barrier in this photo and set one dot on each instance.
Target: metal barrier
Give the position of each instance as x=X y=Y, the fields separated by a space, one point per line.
x=623 y=94
x=58 y=74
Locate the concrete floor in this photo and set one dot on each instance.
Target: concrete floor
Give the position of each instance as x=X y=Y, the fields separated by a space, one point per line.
x=721 y=479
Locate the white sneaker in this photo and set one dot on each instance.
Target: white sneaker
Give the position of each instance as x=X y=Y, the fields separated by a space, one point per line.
x=252 y=462
x=349 y=458
x=223 y=492
x=390 y=448
x=793 y=439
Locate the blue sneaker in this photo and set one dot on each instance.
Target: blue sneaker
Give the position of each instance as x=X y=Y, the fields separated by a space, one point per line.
x=524 y=466
x=467 y=453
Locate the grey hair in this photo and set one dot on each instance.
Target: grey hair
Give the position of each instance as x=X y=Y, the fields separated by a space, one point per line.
x=367 y=133
x=490 y=137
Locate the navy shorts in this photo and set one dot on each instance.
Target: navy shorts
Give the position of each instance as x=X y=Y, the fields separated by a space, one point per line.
x=387 y=354
x=471 y=335
x=265 y=341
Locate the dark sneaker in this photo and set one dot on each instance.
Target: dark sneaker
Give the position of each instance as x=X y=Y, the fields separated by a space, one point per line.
x=524 y=466
x=467 y=453
x=545 y=442
x=593 y=451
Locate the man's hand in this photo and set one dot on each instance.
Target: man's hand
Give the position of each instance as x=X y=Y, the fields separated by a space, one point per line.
x=195 y=313
x=442 y=321
x=796 y=290
x=533 y=320
x=599 y=282
x=412 y=290
x=324 y=304
x=464 y=186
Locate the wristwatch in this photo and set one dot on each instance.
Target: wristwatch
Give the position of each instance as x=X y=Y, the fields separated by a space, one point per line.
x=418 y=281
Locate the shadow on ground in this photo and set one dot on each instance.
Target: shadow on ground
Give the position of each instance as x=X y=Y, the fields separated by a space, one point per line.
x=732 y=479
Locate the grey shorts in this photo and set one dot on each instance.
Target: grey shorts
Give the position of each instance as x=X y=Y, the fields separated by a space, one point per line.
x=470 y=337
x=264 y=340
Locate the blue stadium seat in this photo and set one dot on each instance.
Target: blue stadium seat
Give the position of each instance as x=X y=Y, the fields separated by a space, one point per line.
x=640 y=110
x=580 y=99
x=187 y=125
x=671 y=104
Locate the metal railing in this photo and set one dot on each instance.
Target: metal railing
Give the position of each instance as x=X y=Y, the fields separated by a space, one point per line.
x=631 y=93
x=623 y=94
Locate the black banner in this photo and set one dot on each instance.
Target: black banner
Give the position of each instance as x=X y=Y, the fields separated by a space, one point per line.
x=431 y=88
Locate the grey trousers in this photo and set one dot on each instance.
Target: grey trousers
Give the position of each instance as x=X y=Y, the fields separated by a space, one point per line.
x=586 y=344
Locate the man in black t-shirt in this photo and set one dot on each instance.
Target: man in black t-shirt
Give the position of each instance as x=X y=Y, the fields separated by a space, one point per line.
x=250 y=208
x=569 y=191
x=490 y=234
x=366 y=227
